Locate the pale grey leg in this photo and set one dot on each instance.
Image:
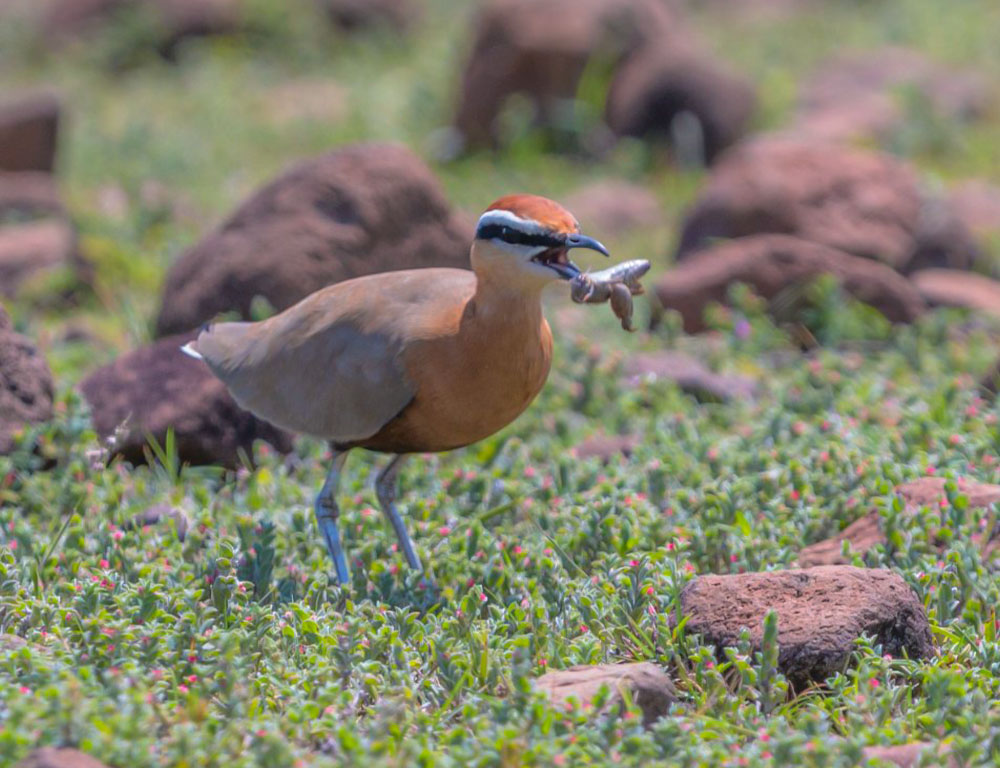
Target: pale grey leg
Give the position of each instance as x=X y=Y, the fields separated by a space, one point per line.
x=327 y=513
x=385 y=489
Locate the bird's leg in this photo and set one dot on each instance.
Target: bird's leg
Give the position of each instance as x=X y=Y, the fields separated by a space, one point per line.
x=385 y=489
x=327 y=513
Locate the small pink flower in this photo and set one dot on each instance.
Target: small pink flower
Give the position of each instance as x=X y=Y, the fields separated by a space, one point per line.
x=763 y=735
x=24 y=690
x=874 y=683
x=182 y=688
x=118 y=535
x=104 y=563
x=482 y=597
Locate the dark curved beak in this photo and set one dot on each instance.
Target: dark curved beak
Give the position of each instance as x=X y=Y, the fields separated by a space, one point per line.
x=582 y=241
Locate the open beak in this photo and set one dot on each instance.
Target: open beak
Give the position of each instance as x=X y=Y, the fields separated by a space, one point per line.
x=582 y=241
x=557 y=260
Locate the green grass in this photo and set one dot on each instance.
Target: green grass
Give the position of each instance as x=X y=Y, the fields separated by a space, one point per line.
x=234 y=648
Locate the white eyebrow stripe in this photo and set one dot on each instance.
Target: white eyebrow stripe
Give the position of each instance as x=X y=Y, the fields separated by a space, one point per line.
x=528 y=226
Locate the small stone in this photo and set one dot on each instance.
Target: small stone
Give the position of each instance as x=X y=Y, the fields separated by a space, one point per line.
x=863 y=535
x=688 y=373
x=159 y=513
x=821 y=612
x=62 y=757
x=606 y=447
x=650 y=687
x=954 y=288
x=34 y=247
x=910 y=755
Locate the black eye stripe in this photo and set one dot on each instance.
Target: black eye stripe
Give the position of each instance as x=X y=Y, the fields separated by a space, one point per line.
x=516 y=237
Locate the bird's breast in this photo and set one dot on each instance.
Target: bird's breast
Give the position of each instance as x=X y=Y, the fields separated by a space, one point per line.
x=470 y=383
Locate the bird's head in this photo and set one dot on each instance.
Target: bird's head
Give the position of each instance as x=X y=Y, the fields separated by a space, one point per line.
x=526 y=239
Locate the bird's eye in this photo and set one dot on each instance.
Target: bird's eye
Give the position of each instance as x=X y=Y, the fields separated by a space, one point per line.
x=506 y=232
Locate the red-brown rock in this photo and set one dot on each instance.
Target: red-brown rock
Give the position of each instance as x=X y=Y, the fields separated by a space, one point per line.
x=28 y=194
x=865 y=95
x=26 y=387
x=156 y=388
x=650 y=687
x=516 y=51
x=169 y=22
x=61 y=757
x=688 y=373
x=930 y=491
x=355 y=211
x=954 y=288
x=910 y=755
x=29 y=127
x=606 y=447
x=821 y=612
x=865 y=203
x=865 y=533
x=33 y=247
x=772 y=263
x=683 y=95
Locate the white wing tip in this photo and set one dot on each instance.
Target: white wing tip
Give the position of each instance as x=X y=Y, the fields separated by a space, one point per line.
x=190 y=351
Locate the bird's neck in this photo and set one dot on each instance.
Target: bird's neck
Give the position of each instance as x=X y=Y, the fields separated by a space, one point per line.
x=499 y=300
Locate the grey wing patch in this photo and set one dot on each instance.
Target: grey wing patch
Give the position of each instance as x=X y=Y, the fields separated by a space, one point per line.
x=334 y=382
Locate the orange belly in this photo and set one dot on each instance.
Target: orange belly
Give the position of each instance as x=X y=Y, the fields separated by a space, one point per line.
x=468 y=386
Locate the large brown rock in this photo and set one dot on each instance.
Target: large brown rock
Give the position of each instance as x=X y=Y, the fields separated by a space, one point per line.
x=954 y=288
x=865 y=203
x=26 y=387
x=872 y=94
x=29 y=127
x=683 y=95
x=650 y=687
x=866 y=533
x=539 y=48
x=821 y=612
x=355 y=211
x=59 y=757
x=770 y=264
x=167 y=23
x=156 y=388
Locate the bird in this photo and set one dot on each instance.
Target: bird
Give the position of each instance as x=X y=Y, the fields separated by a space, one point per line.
x=409 y=361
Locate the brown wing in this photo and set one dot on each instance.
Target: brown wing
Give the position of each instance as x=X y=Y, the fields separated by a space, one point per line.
x=331 y=365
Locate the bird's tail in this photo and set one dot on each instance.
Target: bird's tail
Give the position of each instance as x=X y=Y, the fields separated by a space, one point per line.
x=189 y=350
